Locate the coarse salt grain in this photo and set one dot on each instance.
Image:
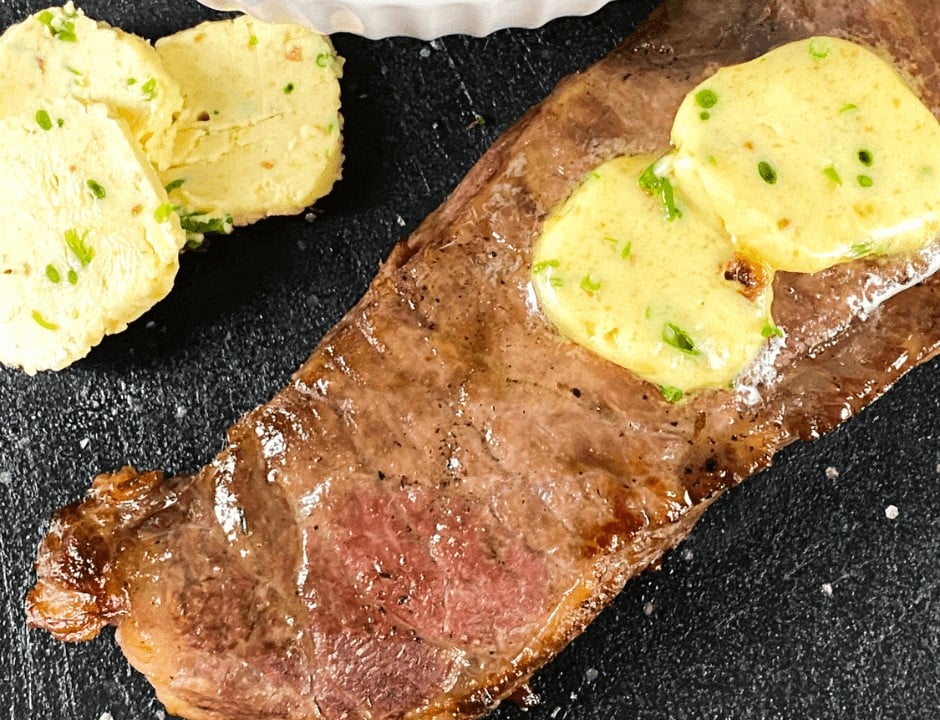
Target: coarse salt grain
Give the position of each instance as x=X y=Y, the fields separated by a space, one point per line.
x=648 y=609
x=826 y=589
x=832 y=473
x=891 y=512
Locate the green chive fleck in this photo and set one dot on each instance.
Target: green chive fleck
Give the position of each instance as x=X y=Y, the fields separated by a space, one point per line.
x=589 y=285
x=540 y=266
x=74 y=71
x=865 y=157
x=865 y=181
x=704 y=115
x=77 y=245
x=42 y=322
x=149 y=89
x=97 y=190
x=767 y=172
x=670 y=393
x=43 y=120
x=627 y=249
x=197 y=223
x=72 y=276
x=252 y=40
x=53 y=274
x=323 y=60
x=848 y=107
x=60 y=122
x=162 y=213
x=706 y=98
x=131 y=81
x=174 y=184
x=289 y=88
x=653 y=183
x=861 y=249
x=818 y=49
x=831 y=173
x=556 y=282
x=678 y=338
x=770 y=330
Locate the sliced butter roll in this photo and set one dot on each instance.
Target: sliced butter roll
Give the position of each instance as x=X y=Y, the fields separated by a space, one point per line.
x=813 y=154
x=59 y=52
x=90 y=240
x=646 y=293
x=261 y=132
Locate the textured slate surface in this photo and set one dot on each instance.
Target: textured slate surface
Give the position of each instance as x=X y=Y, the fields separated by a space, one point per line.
x=796 y=597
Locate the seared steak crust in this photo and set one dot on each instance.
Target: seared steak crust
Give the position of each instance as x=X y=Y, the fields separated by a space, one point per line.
x=447 y=492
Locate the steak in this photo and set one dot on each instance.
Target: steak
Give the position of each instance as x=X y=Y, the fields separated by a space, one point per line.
x=447 y=492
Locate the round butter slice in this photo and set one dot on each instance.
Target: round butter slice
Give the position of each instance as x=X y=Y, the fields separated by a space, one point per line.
x=261 y=131
x=813 y=154
x=90 y=241
x=649 y=294
x=60 y=53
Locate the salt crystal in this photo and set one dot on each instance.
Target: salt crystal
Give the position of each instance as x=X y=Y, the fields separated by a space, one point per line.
x=160 y=715
x=83 y=443
x=400 y=220
x=687 y=555
x=591 y=674
x=105 y=716
x=648 y=609
x=891 y=512
x=555 y=712
x=826 y=589
x=181 y=411
x=6 y=477
x=832 y=473
x=424 y=52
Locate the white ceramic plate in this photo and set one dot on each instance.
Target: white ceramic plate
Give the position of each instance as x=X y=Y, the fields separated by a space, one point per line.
x=424 y=19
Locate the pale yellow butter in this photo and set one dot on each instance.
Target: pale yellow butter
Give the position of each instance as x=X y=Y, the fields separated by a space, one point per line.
x=648 y=294
x=261 y=130
x=813 y=154
x=60 y=53
x=90 y=241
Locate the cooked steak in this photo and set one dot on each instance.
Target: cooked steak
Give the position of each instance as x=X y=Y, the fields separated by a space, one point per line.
x=447 y=492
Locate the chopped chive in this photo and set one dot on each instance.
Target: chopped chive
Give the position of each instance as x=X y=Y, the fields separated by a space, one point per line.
x=74 y=71
x=131 y=81
x=195 y=223
x=861 y=249
x=149 y=89
x=864 y=181
x=289 y=88
x=627 y=249
x=767 y=172
x=45 y=17
x=670 y=393
x=60 y=122
x=540 y=266
x=67 y=32
x=678 y=338
x=42 y=322
x=53 y=274
x=556 y=282
x=174 y=184
x=252 y=40
x=712 y=160
x=818 y=49
x=653 y=183
x=163 y=212
x=43 y=120
x=97 y=190
x=865 y=157
x=706 y=98
x=594 y=175
x=76 y=244
x=704 y=115
x=848 y=107
x=589 y=285
x=72 y=276
x=831 y=173
x=323 y=60
x=770 y=330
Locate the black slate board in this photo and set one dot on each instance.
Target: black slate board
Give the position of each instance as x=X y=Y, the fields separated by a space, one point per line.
x=796 y=597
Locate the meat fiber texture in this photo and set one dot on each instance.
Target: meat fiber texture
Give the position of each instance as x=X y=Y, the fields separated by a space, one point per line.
x=447 y=492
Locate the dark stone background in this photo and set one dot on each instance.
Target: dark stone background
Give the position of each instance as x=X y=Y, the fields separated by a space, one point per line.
x=736 y=625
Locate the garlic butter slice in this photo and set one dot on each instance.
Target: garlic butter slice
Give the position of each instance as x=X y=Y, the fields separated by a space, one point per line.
x=90 y=240
x=261 y=131
x=813 y=154
x=646 y=293
x=61 y=53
